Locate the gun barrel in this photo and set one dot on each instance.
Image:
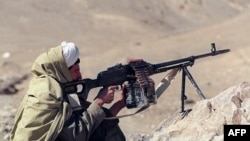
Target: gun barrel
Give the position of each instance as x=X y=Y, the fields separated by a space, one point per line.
x=174 y=62
x=161 y=67
x=212 y=53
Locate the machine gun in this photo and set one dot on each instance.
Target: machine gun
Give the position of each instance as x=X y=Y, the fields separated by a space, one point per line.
x=135 y=74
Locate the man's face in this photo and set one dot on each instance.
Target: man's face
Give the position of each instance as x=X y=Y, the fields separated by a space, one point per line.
x=75 y=72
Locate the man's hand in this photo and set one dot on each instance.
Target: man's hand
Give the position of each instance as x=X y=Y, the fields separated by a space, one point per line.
x=106 y=95
x=119 y=104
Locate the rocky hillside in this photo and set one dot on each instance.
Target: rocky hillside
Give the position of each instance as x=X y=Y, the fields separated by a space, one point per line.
x=206 y=120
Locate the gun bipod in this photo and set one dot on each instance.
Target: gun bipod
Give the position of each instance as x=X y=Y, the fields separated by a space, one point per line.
x=185 y=72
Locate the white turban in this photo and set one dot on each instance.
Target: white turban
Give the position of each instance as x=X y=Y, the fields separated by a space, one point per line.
x=70 y=53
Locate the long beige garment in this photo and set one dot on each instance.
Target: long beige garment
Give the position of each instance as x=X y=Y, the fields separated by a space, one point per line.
x=43 y=111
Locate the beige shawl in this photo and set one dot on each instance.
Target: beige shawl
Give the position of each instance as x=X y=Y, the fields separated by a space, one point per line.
x=43 y=100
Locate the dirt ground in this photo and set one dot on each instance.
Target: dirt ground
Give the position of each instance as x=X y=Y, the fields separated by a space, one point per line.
x=112 y=32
